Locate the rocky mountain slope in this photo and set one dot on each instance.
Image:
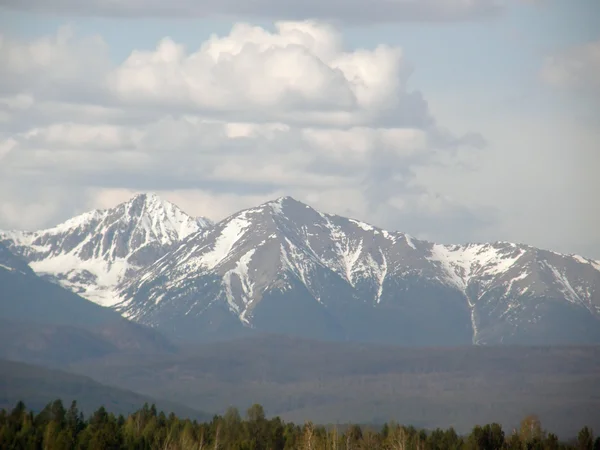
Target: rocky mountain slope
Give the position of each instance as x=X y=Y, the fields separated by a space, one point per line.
x=284 y=267
x=92 y=253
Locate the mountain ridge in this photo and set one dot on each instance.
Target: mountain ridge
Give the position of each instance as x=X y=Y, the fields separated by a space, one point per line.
x=284 y=266
x=285 y=245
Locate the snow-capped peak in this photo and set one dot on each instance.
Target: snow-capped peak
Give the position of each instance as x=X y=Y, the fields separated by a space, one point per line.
x=93 y=252
x=161 y=220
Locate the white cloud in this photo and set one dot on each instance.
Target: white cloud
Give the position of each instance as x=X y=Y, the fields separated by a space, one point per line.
x=26 y=215
x=535 y=183
x=52 y=66
x=245 y=118
x=299 y=73
x=576 y=68
x=28 y=201
x=361 y=11
x=355 y=146
x=18 y=102
x=188 y=149
x=259 y=113
x=6 y=147
x=77 y=136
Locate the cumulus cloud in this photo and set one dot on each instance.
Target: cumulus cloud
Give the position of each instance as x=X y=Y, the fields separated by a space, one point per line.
x=59 y=66
x=244 y=118
x=348 y=10
x=300 y=73
x=575 y=68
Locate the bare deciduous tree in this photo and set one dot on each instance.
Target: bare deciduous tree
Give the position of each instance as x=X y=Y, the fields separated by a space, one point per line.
x=399 y=438
x=309 y=436
x=218 y=431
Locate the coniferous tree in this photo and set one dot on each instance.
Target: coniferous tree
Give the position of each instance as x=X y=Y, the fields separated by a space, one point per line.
x=55 y=428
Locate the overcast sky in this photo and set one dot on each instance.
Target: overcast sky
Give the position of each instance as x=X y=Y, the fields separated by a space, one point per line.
x=452 y=120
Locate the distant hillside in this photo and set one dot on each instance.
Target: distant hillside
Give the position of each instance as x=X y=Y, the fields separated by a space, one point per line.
x=50 y=345
x=36 y=386
x=35 y=312
x=342 y=382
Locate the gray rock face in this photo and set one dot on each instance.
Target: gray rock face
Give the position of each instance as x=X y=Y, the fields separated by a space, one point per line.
x=284 y=267
x=92 y=253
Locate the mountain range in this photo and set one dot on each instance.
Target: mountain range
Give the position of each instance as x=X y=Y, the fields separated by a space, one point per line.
x=284 y=267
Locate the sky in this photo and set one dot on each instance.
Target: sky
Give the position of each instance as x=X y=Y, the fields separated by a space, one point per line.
x=452 y=120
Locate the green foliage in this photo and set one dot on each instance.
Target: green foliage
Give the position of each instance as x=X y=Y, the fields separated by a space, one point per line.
x=57 y=428
x=585 y=439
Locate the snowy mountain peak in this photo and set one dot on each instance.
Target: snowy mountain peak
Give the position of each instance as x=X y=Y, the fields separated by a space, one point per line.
x=283 y=199
x=144 y=197
x=283 y=205
x=160 y=220
x=95 y=251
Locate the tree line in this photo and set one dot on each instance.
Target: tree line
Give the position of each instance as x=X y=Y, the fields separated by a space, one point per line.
x=59 y=428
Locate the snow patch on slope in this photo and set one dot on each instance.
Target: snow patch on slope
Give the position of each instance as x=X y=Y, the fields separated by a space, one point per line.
x=381 y=276
x=10 y=269
x=347 y=254
x=460 y=263
x=591 y=262
x=516 y=279
x=242 y=273
x=452 y=266
x=580 y=259
x=105 y=274
x=362 y=225
x=296 y=261
x=473 y=322
x=564 y=285
x=409 y=241
x=229 y=236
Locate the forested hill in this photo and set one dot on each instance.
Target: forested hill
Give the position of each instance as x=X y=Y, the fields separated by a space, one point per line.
x=56 y=427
